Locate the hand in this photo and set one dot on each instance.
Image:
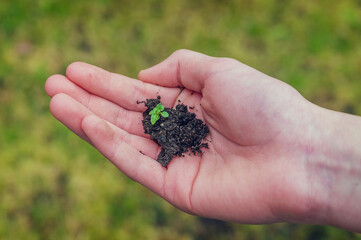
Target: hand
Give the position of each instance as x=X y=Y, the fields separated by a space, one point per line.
x=256 y=167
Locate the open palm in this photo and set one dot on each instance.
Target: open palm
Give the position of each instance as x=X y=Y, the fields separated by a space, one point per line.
x=251 y=171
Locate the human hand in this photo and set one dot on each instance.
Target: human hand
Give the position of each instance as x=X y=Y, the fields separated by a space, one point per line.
x=255 y=170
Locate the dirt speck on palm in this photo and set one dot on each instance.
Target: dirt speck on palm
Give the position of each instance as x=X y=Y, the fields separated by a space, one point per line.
x=176 y=134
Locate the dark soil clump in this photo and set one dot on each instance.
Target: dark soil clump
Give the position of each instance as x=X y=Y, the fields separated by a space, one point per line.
x=176 y=134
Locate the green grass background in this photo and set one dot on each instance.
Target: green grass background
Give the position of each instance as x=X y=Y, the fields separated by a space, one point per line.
x=55 y=186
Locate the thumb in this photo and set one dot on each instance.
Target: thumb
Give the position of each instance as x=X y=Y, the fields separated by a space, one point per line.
x=183 y=68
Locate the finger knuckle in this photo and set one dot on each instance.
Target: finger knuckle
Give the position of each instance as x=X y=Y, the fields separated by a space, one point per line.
x=181 y=52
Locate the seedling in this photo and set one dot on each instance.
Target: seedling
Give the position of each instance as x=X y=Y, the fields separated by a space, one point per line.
x=157 y=112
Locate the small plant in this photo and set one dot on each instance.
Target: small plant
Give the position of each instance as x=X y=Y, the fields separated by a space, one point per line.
x=157 y=112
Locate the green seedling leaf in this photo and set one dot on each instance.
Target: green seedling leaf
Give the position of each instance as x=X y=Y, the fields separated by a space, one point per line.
x=164 y=114
x=154 y=119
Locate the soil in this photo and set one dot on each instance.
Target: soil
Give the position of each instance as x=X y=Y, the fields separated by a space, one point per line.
x=176 y=134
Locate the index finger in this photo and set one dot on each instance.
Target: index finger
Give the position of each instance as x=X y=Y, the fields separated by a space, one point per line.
x=187 y=69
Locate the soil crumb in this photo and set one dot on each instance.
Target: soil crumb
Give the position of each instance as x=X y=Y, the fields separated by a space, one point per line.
x=176 y=134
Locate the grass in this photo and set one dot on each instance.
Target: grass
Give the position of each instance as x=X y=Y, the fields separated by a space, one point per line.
x=54 y=186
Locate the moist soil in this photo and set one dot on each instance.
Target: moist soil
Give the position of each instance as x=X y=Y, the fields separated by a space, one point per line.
x=176 y=134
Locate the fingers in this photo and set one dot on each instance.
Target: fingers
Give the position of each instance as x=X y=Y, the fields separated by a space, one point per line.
x=116 y=88
x=59 y=84
x=130 y=121
x=183 y=68
x=114 y=145
x=133 y=155
x=71 y=113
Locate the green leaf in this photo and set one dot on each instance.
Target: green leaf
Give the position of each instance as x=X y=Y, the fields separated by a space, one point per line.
x=164 y=114
x=161 y=107
x=154 y=119
x=152 y=112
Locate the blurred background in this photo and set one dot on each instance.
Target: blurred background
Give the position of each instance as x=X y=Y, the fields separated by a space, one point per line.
x=55 y=186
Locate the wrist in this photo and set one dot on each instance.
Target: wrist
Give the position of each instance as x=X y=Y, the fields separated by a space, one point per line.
x=333 y=169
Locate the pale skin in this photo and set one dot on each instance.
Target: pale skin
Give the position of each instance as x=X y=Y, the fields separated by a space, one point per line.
x=273 y=156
